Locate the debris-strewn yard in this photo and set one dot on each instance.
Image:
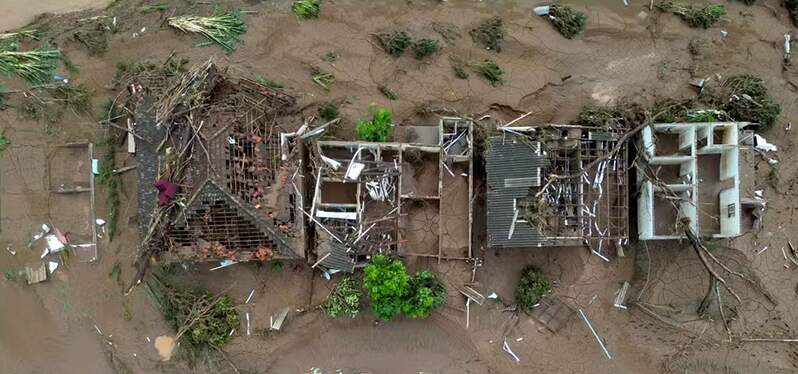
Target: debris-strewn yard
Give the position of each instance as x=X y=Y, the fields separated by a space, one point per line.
x=240 y=111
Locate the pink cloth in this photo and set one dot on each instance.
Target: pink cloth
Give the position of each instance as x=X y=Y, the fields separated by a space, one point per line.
x=166 y=191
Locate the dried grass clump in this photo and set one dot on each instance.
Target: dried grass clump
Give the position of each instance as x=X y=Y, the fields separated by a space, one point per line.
x=223 y=27
x=747 y=99
x=394 y=42
x=695 y=15
x=489 y=33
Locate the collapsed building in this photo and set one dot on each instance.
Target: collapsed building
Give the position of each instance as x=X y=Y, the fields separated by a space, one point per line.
x=689 y=172
x=215 y=180
x=407 y=199
x=557 y=185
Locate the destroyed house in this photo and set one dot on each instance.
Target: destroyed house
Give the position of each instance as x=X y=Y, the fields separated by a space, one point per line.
x=407 y=199
x=556 y=186
x=689 y=175
x=217 y=138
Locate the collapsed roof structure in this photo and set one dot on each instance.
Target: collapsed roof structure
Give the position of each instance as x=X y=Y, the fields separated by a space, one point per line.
x=557 y=185
x=689 y=172
x=236 y=189
x=410 y=199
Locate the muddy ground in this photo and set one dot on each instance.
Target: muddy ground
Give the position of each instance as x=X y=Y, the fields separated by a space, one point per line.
x=626 y=51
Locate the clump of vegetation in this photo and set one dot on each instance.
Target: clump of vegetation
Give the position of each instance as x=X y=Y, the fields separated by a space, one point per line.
x=328 y=111
x=9 y=37
x=393 y=291
x=747 y=99
x=388 y=93
x=330 y=57
x=424 y=48
x=94 y=39
x=568 y=21
x=695 y=15
x=533 y=286
x=307 y=9
x=204 y=322
x=459 y=68
x=623 y=115
x=3 y=104
x=75 y=97
x=112 y=183
x=394 y=42
x=344 y=301
x=156 y=7
x=792 y=8
x=491 y=71
x=386 y=281
x=36 y=66
x=223 y=27
x=273 y=84
x=4 y=143
x=378 y=128
x=697 y=46
x=425 y=294
x=324 y=79
x=489 y=33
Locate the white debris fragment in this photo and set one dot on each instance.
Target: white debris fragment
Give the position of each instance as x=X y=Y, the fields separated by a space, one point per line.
x=723 y=33
x=772 y=161
x=53 y=244
x=100 y=222
x=51 y=266
x=251 y=293
x=506 y=348
x=761 y=144
x=493 y=296
x=542 y=10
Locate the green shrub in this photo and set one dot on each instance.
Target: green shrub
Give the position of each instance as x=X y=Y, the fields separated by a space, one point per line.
x=534 y=284
x=792 y=8
x=378 y=128
x=568 y=21
x=425 y=294
x=423 y=48
x=491 y=71
x=387 y=284
x=328 y=111
x=344 y=301
x=307 y=9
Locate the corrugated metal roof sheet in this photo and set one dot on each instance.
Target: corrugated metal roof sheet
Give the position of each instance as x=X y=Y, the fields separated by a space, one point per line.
x=511 y=159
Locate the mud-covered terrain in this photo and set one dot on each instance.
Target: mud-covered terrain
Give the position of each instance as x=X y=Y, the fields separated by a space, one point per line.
x=624 y=52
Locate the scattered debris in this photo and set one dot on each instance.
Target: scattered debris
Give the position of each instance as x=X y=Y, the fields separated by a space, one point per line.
x=324 y=79
x=277 y=322
x=36 y=275
x=472 y=295
x=598 y=338
x=506 y=348
x=761 y=144
x=620 y=296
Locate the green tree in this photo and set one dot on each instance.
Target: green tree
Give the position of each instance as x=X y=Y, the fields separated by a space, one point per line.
x=425 y=294
x=387 y=284
x=534 y=284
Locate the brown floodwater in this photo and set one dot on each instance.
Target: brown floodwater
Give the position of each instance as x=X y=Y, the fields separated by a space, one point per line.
x=17 y=13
